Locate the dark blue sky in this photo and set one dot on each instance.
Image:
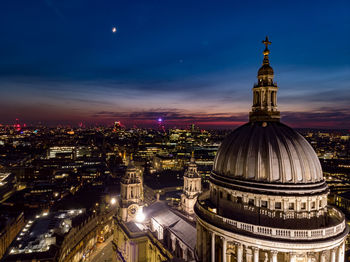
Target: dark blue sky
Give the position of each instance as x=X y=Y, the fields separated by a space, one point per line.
x=187 y=61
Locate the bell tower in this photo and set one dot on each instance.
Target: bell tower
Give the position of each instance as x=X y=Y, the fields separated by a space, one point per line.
x=192 y=187
x=131 y=193
x=265 y=92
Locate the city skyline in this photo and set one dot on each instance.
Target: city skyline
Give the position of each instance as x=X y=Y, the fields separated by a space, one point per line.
x=62 y=62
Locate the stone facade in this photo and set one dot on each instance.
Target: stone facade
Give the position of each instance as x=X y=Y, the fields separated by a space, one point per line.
x=131 y=193
x=268 y=199
x=192 y=187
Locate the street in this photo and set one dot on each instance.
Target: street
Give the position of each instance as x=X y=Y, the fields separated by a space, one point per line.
x=104 y=252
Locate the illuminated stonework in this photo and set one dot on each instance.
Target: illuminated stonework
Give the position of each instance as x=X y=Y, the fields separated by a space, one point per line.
x=267 y=199
x=192 y=188
x=131 y=194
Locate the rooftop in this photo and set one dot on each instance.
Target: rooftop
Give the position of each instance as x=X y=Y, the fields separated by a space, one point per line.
x=40 y=234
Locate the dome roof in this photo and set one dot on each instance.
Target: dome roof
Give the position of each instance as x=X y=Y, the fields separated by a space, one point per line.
x=267 y=152
x=266 y=69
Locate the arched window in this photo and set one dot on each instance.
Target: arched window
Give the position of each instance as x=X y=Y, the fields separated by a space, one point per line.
x=258 y=98
x=272 y=98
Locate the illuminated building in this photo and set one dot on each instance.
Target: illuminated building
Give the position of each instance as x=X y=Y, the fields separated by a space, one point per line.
x=9 y=228
x=161 y=163
x=152 y=233
x=268 y=198
x=161 y=125
x=131 y=194
x=8 y=185
x=68 y=235
x=117 y=126
x=57 y=151
x=40 y=237
x=131 y=240
x=133 y=243
x=192 y=187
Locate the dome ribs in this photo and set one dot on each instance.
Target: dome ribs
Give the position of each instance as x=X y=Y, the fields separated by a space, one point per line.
x=277 y=172
x=286 y=168
x=270 y=152
x=249 y=160
x=305 y=160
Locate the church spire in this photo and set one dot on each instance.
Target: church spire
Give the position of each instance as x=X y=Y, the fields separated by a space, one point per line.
x=265 y=92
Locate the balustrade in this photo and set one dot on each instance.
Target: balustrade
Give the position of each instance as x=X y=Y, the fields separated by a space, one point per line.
x=276 y=232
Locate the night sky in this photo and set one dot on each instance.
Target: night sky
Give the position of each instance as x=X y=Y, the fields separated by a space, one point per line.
x=185 y=61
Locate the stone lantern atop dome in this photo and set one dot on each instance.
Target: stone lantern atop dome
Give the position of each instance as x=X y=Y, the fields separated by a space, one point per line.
x=265 y=92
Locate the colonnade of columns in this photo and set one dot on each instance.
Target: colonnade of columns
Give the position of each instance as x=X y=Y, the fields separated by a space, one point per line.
x=251 y=254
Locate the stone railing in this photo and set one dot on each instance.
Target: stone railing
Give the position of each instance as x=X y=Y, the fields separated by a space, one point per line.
x=281 y=233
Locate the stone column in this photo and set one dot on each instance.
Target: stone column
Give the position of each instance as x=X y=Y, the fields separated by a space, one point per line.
x=333 y=255
x=341 y=251
x=240 y=253
x=292 y=257
x=212 y=247
x=248 y=254
x=274 y=255
x=310 y=255
x=173 y=242
x=224 y=247
x=269 y=99
x=255 y=254
x=184 y=252
x=323 y=256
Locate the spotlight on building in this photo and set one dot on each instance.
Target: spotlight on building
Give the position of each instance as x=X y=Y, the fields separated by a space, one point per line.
x=140 y=216
x=113 y=201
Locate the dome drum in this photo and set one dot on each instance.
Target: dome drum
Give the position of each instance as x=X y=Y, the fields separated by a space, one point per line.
x=336 y=227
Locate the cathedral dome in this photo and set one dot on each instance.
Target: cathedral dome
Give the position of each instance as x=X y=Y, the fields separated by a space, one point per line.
x=264 y=149
x=268 y=152
x=267 y=198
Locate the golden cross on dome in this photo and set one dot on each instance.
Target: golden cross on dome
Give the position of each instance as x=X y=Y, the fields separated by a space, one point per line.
x=266 y=42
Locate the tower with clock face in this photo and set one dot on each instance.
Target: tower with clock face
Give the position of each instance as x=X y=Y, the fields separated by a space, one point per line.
x=131 y=193
x=192 y=187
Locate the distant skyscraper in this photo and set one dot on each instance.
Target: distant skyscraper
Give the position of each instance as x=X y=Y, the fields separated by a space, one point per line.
x=117 y=126
x=268 y=198
x=161 y=125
